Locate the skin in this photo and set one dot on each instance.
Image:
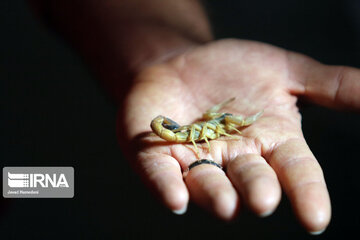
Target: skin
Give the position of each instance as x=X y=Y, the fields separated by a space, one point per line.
x=272 y=151
x=171 y=66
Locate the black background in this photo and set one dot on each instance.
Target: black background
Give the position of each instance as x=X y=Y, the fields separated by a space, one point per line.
x=53 y=113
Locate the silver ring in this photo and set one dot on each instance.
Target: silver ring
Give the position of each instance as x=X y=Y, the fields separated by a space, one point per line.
x=202 y=161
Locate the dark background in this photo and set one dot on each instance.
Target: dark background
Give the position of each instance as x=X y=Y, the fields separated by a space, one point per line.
x=53 y=113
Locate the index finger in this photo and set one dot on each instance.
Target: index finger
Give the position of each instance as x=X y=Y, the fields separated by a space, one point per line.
x=162 y=173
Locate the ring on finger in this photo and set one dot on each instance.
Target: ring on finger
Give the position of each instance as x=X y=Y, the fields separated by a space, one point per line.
x=199 y=162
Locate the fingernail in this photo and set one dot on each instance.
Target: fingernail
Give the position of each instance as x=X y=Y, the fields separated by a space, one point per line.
x=180 y=211
x=266 y=214
x=317 y=232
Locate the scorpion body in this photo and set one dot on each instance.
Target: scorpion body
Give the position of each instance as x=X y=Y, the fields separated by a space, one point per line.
x=213 y=126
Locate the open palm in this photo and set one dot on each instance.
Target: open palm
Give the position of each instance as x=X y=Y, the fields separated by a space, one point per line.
x=270 y=153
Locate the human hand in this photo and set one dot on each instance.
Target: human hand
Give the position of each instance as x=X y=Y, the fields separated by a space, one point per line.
x=271 y=153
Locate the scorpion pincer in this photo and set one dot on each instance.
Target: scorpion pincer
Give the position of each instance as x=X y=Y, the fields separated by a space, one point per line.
x=213 y=126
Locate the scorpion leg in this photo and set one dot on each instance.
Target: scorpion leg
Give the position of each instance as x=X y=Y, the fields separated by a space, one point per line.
x=192 y=138
x=203 y=134
x=213 y=112
x=231 y=127
x=220 y=131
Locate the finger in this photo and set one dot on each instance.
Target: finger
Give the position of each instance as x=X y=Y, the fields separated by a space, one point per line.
x=162 y=174
x=303 y=181
x=210 y=188
x=256 y=181
x=332 y=86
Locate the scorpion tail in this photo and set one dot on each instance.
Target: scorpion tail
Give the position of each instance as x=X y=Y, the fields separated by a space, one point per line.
x=166 y=133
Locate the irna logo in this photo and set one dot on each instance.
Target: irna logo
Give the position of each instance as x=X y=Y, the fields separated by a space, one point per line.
x=20 y=180
x=38 y=182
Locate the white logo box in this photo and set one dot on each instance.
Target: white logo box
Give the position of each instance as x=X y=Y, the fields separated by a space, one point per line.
x=38 y=182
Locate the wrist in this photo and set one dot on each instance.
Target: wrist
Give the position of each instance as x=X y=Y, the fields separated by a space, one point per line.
x=120 y=38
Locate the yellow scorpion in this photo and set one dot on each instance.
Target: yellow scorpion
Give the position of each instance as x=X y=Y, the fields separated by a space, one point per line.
x=214 y=125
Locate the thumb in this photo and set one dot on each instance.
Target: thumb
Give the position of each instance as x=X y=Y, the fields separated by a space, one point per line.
x=331 y=86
